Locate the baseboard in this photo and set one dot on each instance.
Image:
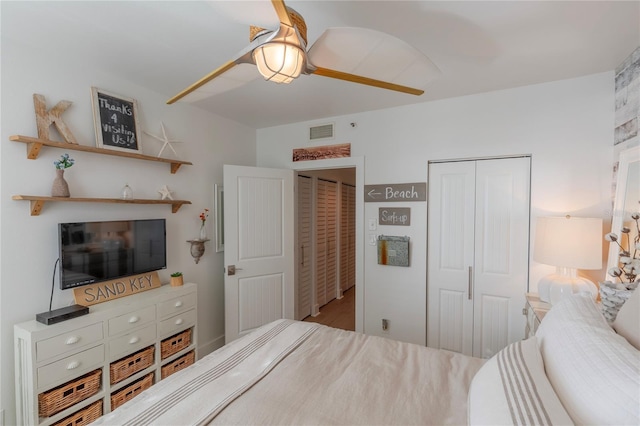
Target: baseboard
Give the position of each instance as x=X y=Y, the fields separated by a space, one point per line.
x=207 y=348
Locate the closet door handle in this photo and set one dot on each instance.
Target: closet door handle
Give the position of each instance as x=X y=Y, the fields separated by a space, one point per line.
x=470 y=289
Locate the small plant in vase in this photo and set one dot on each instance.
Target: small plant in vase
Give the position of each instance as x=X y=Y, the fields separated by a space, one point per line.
x=177 y=279
x=60 y=188
x=614 y=294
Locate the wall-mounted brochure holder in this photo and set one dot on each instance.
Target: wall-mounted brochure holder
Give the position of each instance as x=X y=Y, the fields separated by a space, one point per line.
x=393 y=251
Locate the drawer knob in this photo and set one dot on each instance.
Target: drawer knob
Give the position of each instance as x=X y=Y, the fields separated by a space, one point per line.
x=72 y=365
x=72 y=340
x=134 y=319
x=179 y=321
x=178 y=303
x=134 y=339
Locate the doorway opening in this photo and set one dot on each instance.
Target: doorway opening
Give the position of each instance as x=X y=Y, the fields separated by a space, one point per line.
x=326 y=247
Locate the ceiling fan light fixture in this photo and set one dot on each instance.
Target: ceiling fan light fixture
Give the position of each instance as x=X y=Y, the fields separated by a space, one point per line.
x=279 y=62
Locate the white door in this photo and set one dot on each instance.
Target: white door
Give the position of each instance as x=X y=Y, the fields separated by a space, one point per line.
x=259 y=248
x=477 y=254
x=450 y=232
x=501 y=268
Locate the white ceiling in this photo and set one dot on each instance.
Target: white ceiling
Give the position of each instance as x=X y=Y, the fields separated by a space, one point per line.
x=479 y=46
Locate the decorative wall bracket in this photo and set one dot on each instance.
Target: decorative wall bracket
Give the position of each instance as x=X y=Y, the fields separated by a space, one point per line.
x=197 y=248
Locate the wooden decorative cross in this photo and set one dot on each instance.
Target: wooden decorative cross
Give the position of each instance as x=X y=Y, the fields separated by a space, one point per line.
x=44 y=119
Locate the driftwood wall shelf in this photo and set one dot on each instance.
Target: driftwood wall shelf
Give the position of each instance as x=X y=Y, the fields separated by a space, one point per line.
x=34 y=145
x=37 y=202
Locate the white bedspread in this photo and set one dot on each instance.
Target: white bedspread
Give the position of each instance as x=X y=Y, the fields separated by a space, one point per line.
x=290 y=372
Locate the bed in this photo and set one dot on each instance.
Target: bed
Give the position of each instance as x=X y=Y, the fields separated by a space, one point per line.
x=290 y=372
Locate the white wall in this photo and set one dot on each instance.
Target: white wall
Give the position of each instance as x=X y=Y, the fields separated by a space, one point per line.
x=29 y=244
x=567 y=127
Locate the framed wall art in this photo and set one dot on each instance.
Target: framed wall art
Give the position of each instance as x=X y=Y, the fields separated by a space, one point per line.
x=116 y=121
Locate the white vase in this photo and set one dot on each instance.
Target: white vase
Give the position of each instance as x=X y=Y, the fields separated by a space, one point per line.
x=203 y=232
x=613 y=296
x=127 y=193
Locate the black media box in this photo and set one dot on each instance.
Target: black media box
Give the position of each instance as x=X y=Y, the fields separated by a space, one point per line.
x=62 y=314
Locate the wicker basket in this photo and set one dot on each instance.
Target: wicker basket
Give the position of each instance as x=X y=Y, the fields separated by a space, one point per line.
x=131 y=391
x=83 y=417
x=175 y=344
x=177 y=365
x=57 y=399
x=129 y=365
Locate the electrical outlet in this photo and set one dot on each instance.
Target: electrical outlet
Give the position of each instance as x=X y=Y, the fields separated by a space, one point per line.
x=372 y=224
x=372 y=239
x=385 y=325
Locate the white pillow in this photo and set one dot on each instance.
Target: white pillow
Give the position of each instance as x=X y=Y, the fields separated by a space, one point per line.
x=594 y=372
x=627 y=322
x=512 y=388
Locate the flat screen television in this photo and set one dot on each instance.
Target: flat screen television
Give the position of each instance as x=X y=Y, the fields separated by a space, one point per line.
x=92 y=252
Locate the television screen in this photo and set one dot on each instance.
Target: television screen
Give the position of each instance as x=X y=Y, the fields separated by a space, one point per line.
x=91 y=252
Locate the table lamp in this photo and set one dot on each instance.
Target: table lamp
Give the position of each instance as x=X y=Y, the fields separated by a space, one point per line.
x=568 y=243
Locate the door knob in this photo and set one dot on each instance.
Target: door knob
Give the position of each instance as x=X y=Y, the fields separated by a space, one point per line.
x=231 y=270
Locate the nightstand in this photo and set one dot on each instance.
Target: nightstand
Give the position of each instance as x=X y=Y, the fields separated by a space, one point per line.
x=534 y=310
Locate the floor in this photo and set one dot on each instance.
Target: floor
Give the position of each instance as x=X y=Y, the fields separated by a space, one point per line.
x=339 y=313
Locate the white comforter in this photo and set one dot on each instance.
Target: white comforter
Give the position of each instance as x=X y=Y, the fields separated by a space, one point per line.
x=290 y=372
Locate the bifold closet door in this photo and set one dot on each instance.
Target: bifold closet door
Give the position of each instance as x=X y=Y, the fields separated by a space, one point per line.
x=501 y=251
x=450 y=230
x=326 y=241
x=478 y=239
x=305 y=248
x=347 y=237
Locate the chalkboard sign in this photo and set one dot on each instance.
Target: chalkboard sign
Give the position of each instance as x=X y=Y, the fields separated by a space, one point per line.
x=116 y=121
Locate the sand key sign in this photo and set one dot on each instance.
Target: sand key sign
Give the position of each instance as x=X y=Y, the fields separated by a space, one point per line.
x=116 y=121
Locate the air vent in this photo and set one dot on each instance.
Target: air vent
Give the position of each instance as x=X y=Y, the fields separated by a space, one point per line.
x=324 y=131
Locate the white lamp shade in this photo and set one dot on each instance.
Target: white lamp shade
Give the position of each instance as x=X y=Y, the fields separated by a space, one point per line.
x=279 y=62
x=569 y=242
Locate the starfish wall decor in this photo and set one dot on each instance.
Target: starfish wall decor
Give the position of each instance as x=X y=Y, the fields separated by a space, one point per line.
x=165 y=139
x=165 y=193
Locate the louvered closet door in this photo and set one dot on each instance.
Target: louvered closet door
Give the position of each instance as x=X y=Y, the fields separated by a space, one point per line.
x=332 y=241
x=347 y=237
x=326 y=241
x=352 y=236
x=305 y=228
x=344 y=238
x=321 y=243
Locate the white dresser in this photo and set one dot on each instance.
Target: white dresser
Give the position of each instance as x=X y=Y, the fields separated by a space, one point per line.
x=159 y=323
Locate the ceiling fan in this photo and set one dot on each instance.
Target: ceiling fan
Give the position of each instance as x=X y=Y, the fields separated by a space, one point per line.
x=281 y=56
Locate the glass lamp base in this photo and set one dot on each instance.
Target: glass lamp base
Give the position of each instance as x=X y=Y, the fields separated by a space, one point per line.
x=554 y=287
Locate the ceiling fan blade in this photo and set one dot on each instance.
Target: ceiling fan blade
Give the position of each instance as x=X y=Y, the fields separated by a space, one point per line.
x=281 y=10
x=204 y=80
x=244 y=57
x=325 y=72
x=376 y=55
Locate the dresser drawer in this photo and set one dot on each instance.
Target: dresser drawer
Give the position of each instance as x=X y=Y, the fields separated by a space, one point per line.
x=177 y=323
x=70 y=367
x=62 y=343
x=132 y=342
x=131 y=320
x=176 y=305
